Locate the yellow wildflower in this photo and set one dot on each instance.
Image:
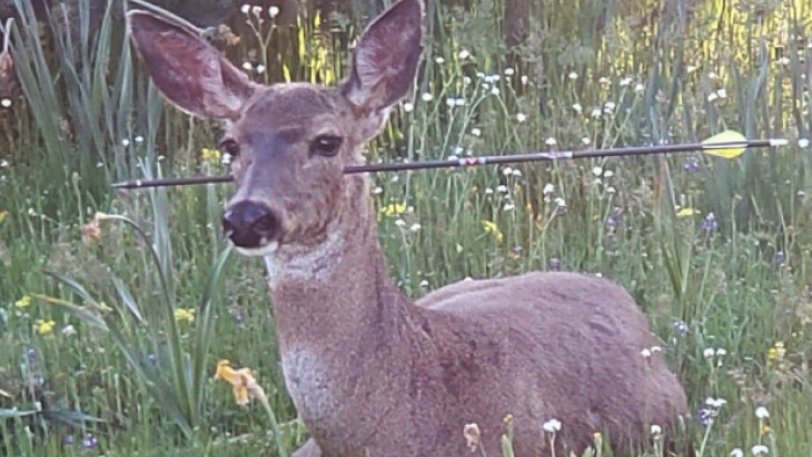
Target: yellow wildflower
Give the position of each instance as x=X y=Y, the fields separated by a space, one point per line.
x=23 y=302
x=687 y=212
x=185 y=315
x=210 y=156
x=766 y=429
x=490 y=227
x=45 y=327
x=394 y=209
x=3 y=215
x=777 y=352
x=242 y=381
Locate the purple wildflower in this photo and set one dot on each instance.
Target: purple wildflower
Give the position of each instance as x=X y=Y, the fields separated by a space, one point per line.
x=709 y=223
x=704 y=416
x=681 y=328
x=90 y=441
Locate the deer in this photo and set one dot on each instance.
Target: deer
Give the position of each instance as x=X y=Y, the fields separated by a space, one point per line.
x=371 y=372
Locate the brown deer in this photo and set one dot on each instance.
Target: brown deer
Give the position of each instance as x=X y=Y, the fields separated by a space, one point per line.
x=371 y=372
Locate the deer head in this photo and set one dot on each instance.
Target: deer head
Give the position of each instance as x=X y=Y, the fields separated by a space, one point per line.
x=290 y=142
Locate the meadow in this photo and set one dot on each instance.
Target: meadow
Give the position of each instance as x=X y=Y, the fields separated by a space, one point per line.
x=116 y=306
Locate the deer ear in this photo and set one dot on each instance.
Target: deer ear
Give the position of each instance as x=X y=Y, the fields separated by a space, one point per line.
x=189 y=71
x=385 y=60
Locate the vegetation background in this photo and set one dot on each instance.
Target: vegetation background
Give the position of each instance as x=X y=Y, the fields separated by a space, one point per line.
x=111 y=327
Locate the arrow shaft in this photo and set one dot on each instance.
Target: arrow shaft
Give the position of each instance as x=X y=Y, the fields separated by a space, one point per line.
x=475 y=161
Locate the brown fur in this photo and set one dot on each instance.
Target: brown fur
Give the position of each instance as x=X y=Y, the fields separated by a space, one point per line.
x=370 y=372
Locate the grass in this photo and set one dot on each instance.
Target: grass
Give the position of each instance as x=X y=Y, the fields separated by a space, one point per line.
x=95 y=360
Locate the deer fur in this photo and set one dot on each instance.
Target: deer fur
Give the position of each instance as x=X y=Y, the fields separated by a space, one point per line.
x=371 y=372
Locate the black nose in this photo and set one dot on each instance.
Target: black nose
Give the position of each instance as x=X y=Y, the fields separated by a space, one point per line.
x=250 y=224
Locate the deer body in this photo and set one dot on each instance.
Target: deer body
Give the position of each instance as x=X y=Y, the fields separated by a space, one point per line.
x=370 y=372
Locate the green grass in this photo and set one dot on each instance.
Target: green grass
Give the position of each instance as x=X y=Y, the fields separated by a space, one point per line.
x=117 y=365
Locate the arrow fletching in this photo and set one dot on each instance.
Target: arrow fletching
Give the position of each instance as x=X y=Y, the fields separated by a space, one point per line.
x=727 y=151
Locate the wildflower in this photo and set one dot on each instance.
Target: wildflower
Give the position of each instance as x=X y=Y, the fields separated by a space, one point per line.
x=625 y=81
x=572 y=76
x=721 y=93
x=273 y=11
x=90 y=441
x=424 y=283
x=766 y=429
x=495 y=91
x=509 y=72
x=604 y=81
x=720 y=352
x=716 y=403
x=3 y=215
x=91 y=232
x=426 y=97
x=713 y=75
x=646 y=353
x=68 y=440
x=552 y=426
x=508 y=207
x=691 y=165
x=577 y=107
x=596 y=112
x=656 y=429
x=472 y=436
x=704 y=416
x=597 y=171
x=609 y=107
x=548 y=189
x=408 y=107
x=708 y=353
x=712 y=96
x=125 y=142
x=736 y=452
x=260 y=69
x=245 y=8
x=776 y=353
x=394 y=209
x=185 y=315
x=550 y=141
x=760 y=449
x=490 y=227
x=44 y=327
x=68 y=330
x=210 y=156
x=686 y=212
x=525 y=79
x=4 y=163
x=803 y=142
x=439 y=60
x=464 y=54
x=415 y=227
x=585 y=141
x=247 y=66
x=476 y=132
x=466 y=80
x=521 y=117
x=139 y=139
x=257 y=10
x=709 y=224
x=5 y=103
x=242 y=381
x=488 y=191
x=639 y=88
x=400 y=223
x=23 y=302
x=502 y=188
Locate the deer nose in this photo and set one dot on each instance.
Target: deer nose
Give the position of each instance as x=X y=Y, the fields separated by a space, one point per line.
x=250 y=224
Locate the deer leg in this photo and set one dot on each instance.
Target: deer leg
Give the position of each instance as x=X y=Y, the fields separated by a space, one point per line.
x=309 y=449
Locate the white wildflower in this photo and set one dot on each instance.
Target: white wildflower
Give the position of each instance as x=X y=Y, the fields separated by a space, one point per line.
x=762 y=413
x=597 y=171
x=415 y=227
x=245 y=8
x=548 y=189
x=722 y=93
x=5 y=103
x=525 y=79
x=427 y=97
x=400 y=223
x=656 y=429
x=439 y=60
x=509 y=71
x=273 y=11
x=476 y=132
x=604 y=81
x=639 y=88
x=509 y=207
x=552 y=426
x=247 y=66
x=495 y=91
x=760 y=449
x=646 y=353
x=577 y=107
x=625 y=81
x=260 y=69
x=572 y=76
x=502 y=188
x=521 y=117
x=408 y=107
x=803 y=142
x=139 y=139
x=708 y=353
x=736 y=452
x=464 y=54
x=125 y=142
x=550 y=141
x=596 y=112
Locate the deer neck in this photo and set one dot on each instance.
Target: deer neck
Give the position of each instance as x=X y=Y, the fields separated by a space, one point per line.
x=337 y=294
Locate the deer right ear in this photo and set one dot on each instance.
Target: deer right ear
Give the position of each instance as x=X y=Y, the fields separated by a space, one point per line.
x=385 y=60
x=189 y=71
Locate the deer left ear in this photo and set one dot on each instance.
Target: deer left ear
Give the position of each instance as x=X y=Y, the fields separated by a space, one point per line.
x=385 y=61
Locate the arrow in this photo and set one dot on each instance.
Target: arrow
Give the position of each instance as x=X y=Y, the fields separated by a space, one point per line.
x=726 y=145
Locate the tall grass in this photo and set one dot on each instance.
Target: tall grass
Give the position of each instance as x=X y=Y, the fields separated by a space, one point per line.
x=119 y=366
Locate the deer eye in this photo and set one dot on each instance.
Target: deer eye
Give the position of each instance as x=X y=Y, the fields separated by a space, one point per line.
x=326 y=145
x=229 y=146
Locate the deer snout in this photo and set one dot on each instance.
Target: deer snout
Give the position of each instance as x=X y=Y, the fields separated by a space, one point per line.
x=250 y=224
